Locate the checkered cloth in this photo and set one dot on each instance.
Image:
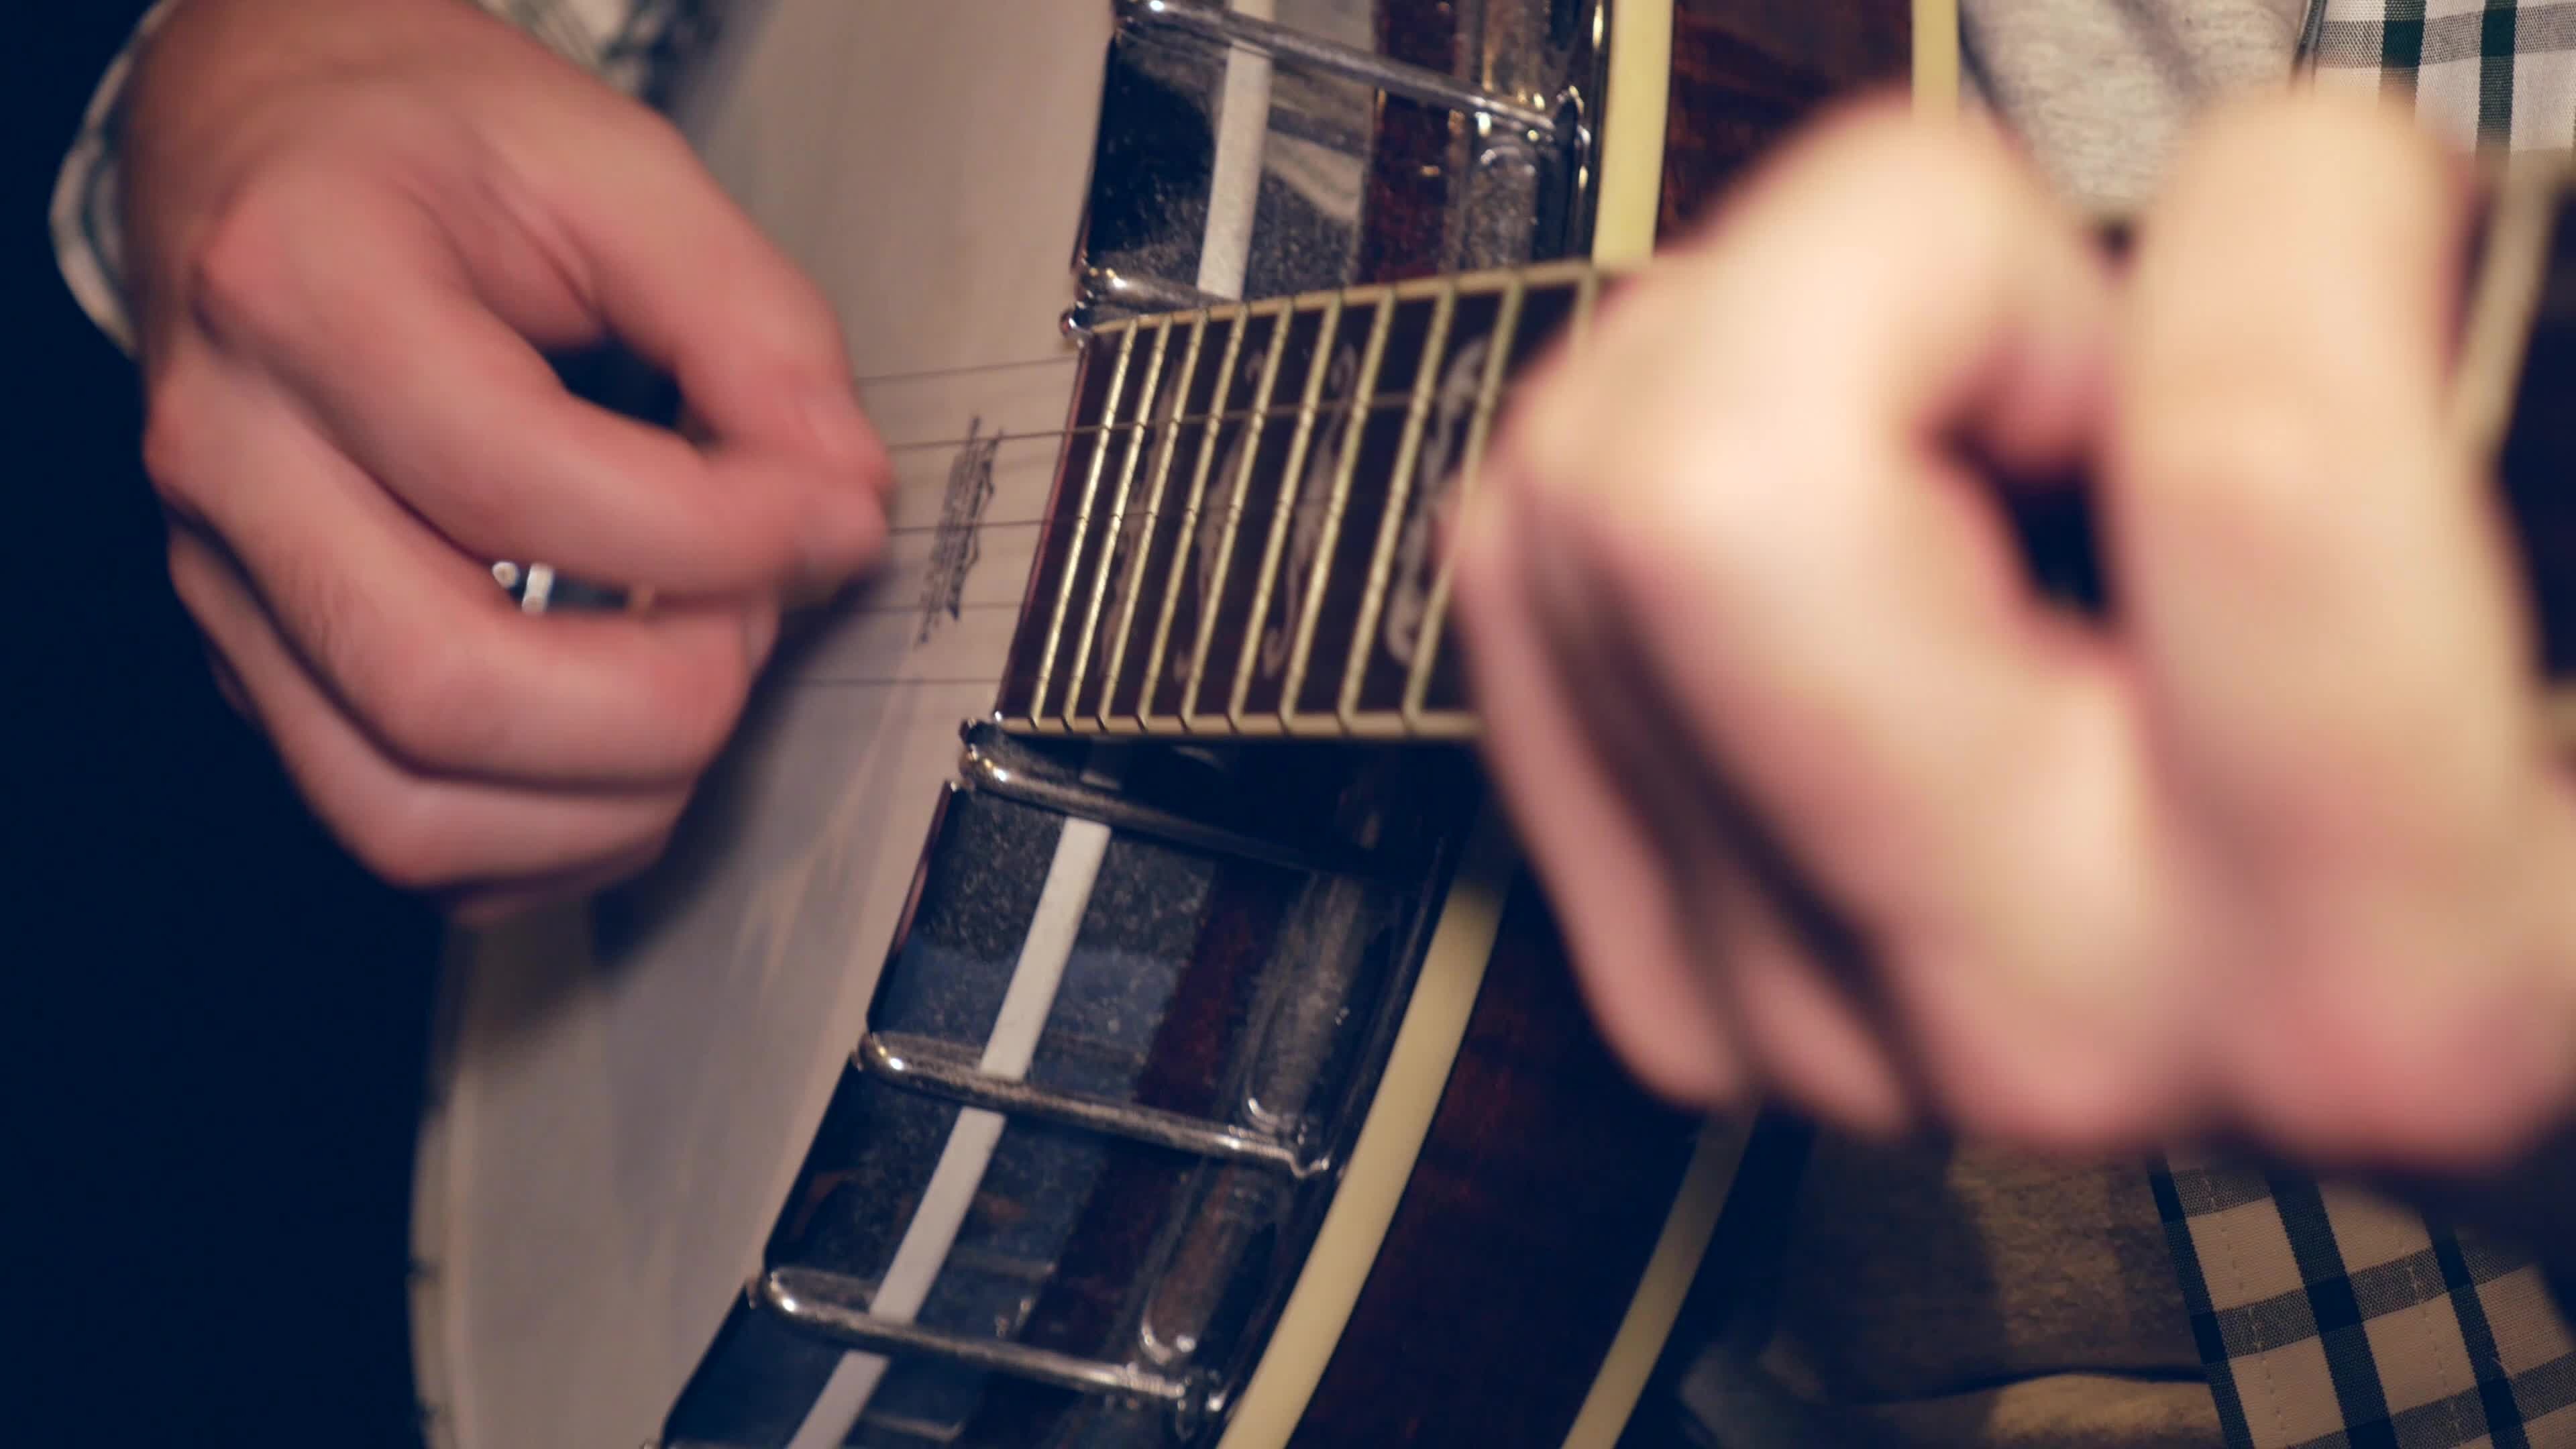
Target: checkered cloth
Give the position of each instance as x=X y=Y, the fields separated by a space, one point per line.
x=2488 y=73
x=2326 y=1316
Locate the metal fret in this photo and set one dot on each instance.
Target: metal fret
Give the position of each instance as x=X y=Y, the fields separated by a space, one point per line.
x=1320 y=572
x=1214 y=589
x=1317 y=572
x=1436 y=611
x=1190 y=521
x=1398 y=494
x=1073 y=544
x=1153 y=506
x=1284 y=510
x=1117 y=516
x=1587 y=288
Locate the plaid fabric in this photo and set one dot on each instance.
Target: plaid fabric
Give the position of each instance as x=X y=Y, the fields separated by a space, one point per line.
x=634 y=45
x=2328 y=1317
x=2493 y=74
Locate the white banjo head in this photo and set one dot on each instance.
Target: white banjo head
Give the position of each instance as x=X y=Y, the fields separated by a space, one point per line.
x=623 y=1102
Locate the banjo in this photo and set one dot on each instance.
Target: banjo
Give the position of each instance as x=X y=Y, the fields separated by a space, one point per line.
x=1092 y=1003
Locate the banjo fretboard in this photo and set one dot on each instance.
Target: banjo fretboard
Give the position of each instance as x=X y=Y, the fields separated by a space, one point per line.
x=1243 y=541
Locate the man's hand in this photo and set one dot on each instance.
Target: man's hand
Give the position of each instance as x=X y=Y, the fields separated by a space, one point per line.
x=1834 y=805
x=355 y=231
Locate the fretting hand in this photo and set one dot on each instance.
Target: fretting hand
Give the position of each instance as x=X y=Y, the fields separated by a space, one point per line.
x=1834 y=806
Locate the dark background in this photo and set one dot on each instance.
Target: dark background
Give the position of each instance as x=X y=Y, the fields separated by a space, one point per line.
x=212 y=1023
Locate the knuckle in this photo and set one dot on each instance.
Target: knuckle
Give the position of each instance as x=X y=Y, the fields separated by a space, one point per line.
x=1534 y=462
x=1666 y=1046
x=175 y=453
x=2262 y=138
x=2354 y=1071
x=476 y=506
x=2070 y=1102
x=651 y=141
x=437 y=717
x=1676 y=1066
x=851 y=453
x=192 y=577
x=426 y=699
x=702 y=705
x=657 y=136
x=1878 y=150
x=2236 y=471
x=1578 y=446
x=241 y=272
x=1947 y=181
x=647 y=850
x=168 y=465
x=2067 y=1067
x=1952 y=167
x=786 y=320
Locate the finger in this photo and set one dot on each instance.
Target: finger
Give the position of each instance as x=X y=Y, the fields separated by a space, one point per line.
x=1790 y=995
x=2316 y=578
x=1753 y=455
x=1991 y=326
x=1756 y=436
x=415 y=642
x=457 y=413
x=416 y=833
x=2311 y=564
x=1588 y=850
x=1801 y=1032
x=753 y=343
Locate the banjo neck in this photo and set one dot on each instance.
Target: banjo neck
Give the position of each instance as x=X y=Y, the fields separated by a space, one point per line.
x=1241 y=541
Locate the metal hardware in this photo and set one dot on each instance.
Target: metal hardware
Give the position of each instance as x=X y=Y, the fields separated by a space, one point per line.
x=539 y=589
x=990 y=762
x=1211 y=119
x=1394 y=77
x=933 y=1068
x=835 y=1307
x=1105 y=294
